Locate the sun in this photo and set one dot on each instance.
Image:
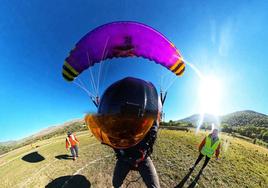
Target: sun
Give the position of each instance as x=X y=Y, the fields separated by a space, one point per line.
x=210 y=95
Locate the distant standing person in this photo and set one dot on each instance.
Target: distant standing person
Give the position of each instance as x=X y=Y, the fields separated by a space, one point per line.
x=207 y=148
x=72 y=143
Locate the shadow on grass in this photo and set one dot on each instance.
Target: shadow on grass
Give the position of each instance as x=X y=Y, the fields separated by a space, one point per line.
x=64 y=157
x=70 y=182
x=193 y=184
x=183 y=181
x=33 y=157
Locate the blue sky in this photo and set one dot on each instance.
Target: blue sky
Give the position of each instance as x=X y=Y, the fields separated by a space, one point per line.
x=226 y=39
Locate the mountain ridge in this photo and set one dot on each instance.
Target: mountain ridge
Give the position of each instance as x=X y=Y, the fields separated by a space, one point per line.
x=247 y=117
x=42 y=132
x=238 y=118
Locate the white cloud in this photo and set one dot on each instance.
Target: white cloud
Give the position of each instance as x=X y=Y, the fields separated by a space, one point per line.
x=213 y=31
x=225 y=38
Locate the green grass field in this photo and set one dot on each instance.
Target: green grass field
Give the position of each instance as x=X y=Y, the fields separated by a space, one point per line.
x=242 y=164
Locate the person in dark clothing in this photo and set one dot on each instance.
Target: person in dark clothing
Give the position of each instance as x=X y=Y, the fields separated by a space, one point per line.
x=127 y=120
x=137 y=158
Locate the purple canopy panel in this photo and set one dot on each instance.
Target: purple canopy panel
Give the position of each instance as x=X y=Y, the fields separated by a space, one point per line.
x=122 y=39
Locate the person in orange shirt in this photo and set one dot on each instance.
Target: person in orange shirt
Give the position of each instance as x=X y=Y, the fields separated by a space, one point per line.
x=207 y=148
x=72 y=143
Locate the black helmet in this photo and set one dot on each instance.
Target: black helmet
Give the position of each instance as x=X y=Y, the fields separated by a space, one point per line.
x=126 y=113
x=130 y=97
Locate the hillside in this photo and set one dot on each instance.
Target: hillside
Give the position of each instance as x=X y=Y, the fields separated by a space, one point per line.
x=241 y=164
x=247 y=123
x=247 y=117
x=74 y=125
x=239 y=118
x=194 y=119
x=8 y=143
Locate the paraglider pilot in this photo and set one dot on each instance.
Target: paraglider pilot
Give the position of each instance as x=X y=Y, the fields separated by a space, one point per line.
x=128 y=120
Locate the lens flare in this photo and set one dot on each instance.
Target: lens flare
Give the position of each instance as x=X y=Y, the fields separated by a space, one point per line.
x=209 y=96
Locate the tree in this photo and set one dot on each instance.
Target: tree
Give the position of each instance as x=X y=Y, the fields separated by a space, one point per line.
x=265 y=136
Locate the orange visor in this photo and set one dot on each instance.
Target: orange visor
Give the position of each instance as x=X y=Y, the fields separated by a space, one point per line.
x=119 y=131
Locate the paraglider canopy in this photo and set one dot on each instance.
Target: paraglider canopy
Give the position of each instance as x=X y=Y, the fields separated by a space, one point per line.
x=122 y=39
x=126 y=112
